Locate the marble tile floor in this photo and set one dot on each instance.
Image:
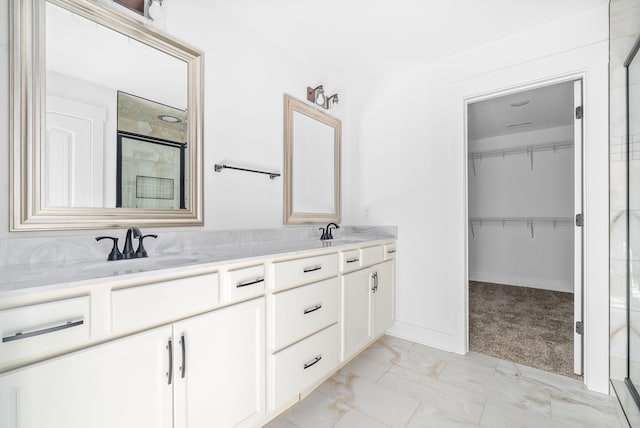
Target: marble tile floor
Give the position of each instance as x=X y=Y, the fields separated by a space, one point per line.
x=397 y=384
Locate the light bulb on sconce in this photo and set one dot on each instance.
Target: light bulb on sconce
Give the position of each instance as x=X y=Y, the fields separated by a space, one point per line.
x=316 y=95
x=332 y=102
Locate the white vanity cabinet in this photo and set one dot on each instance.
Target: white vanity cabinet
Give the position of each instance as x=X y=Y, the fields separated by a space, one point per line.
x=122 y=383
x=204 y=371
x=219 y=367
x=225 y=345
x=304 y=335
x=367 y=306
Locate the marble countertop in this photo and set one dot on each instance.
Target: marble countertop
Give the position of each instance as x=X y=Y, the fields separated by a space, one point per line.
x=21 y=279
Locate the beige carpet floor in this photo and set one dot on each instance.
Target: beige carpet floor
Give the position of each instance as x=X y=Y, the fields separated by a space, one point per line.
x=524 y=325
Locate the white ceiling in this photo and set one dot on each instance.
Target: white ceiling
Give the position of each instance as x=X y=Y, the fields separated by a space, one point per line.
x=359 y=40
x=547 y=107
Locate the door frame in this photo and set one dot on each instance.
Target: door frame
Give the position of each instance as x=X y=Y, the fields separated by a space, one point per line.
x=496 y=93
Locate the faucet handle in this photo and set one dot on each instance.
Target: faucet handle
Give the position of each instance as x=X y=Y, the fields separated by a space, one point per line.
x=324 y=233
x=115 y=253
x=141 y=252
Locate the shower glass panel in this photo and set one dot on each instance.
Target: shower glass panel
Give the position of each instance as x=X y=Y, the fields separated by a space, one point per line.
x=633 y=221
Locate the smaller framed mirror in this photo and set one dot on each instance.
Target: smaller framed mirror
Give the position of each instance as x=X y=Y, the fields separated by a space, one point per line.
x=312 y=141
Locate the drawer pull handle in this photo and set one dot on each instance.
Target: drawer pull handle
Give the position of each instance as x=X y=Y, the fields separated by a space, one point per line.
x=312 y=269
x=312 y=362
x=391 y=251
x=183 y=369
x=244 y=284
x=313 y=308
x=23 y=335
x=353 y=260
x=169 y=348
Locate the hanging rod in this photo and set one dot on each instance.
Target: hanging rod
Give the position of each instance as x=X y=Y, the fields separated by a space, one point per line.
x=219 y=167
x=529 y=222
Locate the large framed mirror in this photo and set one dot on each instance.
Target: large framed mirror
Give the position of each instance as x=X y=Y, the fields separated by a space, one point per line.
x=632 y=65
x=106 y=120
x=312 y=141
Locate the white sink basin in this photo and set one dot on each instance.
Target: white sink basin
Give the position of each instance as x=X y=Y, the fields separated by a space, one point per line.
x=120 y=267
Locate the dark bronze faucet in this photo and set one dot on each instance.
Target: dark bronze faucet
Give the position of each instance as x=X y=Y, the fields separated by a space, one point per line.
x=128 y=253
x=327 y=232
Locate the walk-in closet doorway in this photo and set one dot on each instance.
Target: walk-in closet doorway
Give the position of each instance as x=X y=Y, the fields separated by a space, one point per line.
x=524 y=203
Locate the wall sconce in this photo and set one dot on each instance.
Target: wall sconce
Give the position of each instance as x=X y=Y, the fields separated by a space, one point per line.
x=316 y=95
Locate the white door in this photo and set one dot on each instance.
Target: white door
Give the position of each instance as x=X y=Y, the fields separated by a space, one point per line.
x=578 y=334
x=73 y=154
x=120 y=384
x=356 y=311
x=219 y=365
x=383 y=297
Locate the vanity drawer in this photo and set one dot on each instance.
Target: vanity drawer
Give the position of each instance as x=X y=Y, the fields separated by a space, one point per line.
x=390 y=251
x=296 y=272
x=350 y=260
x=300 y=366
x=302 y=311
x=146 y=306
x=44 y=329
x=243 y=284
x=372 y=255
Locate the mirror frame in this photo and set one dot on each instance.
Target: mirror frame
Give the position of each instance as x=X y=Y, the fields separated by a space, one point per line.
x=28 y=129
x=292 y=105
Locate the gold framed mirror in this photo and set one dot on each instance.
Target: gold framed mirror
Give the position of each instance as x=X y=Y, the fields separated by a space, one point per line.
x=312 y=144
x=69 y=61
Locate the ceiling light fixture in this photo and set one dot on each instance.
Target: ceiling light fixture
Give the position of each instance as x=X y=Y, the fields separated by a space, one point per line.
x=168 y=118
x=519 y=103
x=316 y=95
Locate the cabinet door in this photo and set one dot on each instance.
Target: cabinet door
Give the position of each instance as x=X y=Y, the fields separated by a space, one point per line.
x=356 y=311
x=383 y=303
x=123 y=383
x=222 y=383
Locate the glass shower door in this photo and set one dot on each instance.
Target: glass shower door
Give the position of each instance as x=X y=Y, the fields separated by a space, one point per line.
x=633 y=221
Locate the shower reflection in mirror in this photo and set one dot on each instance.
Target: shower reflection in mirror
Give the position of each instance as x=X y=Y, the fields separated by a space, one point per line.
x=151 y=152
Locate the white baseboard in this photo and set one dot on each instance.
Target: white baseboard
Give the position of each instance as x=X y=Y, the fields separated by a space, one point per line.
x=542 y=283
x=424 y=336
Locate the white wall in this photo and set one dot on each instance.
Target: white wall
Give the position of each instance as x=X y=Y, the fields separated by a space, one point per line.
x=508 y=187
x=411 y=142
x=245 y=79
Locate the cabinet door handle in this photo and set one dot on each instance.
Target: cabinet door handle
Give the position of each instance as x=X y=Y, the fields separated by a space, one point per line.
x=244 y=284
x=312 y=308
x=353 y=260
x=374 y=279
x=183 y=369
x=26 y=334
x=312 y=268
x=391 y=251
x=312 y=362
x=170 y=372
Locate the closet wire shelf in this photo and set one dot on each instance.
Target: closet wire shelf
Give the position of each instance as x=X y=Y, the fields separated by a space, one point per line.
x=529 y=222
x=523 y=150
